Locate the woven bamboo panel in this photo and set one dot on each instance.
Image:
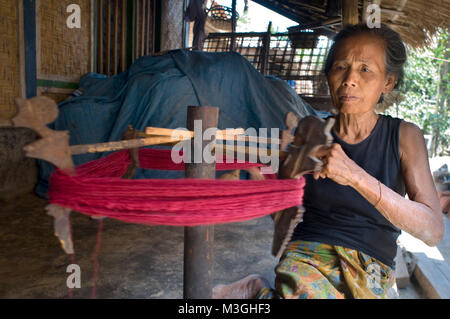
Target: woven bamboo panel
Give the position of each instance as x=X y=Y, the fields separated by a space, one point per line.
x=64 y=52
x=9 y=58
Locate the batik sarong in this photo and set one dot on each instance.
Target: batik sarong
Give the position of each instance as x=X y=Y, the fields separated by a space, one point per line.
x=312 y=270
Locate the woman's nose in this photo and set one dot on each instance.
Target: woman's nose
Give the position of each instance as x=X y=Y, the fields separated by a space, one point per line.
x=350 y=79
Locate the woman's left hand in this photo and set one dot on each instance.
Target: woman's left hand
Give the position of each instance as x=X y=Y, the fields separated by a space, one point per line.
x=336 y=165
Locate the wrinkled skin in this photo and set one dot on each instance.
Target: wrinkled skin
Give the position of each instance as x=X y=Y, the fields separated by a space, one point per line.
x=356 y=80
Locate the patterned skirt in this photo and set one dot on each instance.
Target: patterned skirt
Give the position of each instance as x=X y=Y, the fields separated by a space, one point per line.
x=312 y=270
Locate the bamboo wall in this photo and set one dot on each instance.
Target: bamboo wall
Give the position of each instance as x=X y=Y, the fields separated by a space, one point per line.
x=52 y=62
x=9 y=58
x=63 y=55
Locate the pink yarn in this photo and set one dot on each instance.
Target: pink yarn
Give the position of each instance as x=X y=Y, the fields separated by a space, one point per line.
x=97 y=189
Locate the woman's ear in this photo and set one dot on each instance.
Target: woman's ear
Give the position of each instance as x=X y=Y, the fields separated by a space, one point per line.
x=389 y=84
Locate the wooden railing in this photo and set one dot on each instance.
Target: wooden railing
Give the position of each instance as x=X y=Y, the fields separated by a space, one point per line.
x=275 y=54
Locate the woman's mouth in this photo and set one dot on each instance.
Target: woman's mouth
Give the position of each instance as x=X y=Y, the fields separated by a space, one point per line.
x=348 y=98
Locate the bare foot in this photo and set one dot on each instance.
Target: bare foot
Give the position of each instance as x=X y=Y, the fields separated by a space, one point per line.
x=246 y=288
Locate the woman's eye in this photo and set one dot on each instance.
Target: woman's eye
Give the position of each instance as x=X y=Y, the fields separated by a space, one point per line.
x=339 y=67
x=365 y=69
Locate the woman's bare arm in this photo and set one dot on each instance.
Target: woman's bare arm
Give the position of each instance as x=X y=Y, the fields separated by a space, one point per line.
x=420 y=215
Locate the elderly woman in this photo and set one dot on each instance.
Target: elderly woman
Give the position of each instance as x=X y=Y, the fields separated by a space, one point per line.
x=355 y=206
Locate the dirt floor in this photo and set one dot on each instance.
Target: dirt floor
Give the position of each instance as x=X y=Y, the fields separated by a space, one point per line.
x=135 y=261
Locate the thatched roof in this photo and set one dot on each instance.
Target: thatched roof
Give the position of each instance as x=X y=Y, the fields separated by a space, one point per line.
x=420 y=19
x=415 y=20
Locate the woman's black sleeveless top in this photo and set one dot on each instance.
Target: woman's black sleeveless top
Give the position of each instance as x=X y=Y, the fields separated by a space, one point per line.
x=339 y=215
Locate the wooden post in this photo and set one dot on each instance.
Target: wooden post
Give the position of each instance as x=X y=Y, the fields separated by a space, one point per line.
x=108 y=38
x=199 y=240
x=143 y=27
x=136 y=29
x=100 y=38
x=266 y=49
x=123 y=39
x=116 y=37
x=148 y=21
x=350 y=13
x=233 y=25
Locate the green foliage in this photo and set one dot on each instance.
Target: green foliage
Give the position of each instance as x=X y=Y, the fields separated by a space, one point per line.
x=426 y=90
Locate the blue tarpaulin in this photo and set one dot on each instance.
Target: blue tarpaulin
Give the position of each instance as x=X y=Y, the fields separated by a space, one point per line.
x=156 y=90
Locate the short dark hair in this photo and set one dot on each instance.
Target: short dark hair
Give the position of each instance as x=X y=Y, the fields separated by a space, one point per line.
x=395 y=56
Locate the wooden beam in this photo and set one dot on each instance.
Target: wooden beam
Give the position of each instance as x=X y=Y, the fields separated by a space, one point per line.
x=401 y=271
x=120 y=145
x=288 y=13
x=160 y=131
x=433 y=276
x=350 y=13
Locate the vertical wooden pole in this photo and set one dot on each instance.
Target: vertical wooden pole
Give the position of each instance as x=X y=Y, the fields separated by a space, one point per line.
x=123 y=39
x=100 y=37
x=148 y=21
x=143 y=28
x=199 y=240
x=266 y=49
x=29 y=26
x=108 y=37
x=350 y=13
x=136 y=29
x=233 y=25
x=116 y=37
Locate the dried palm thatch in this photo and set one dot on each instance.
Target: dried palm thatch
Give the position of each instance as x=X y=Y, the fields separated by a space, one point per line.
x=416 y=20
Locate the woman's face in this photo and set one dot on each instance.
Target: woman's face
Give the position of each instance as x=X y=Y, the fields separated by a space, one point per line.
x=357 y=77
